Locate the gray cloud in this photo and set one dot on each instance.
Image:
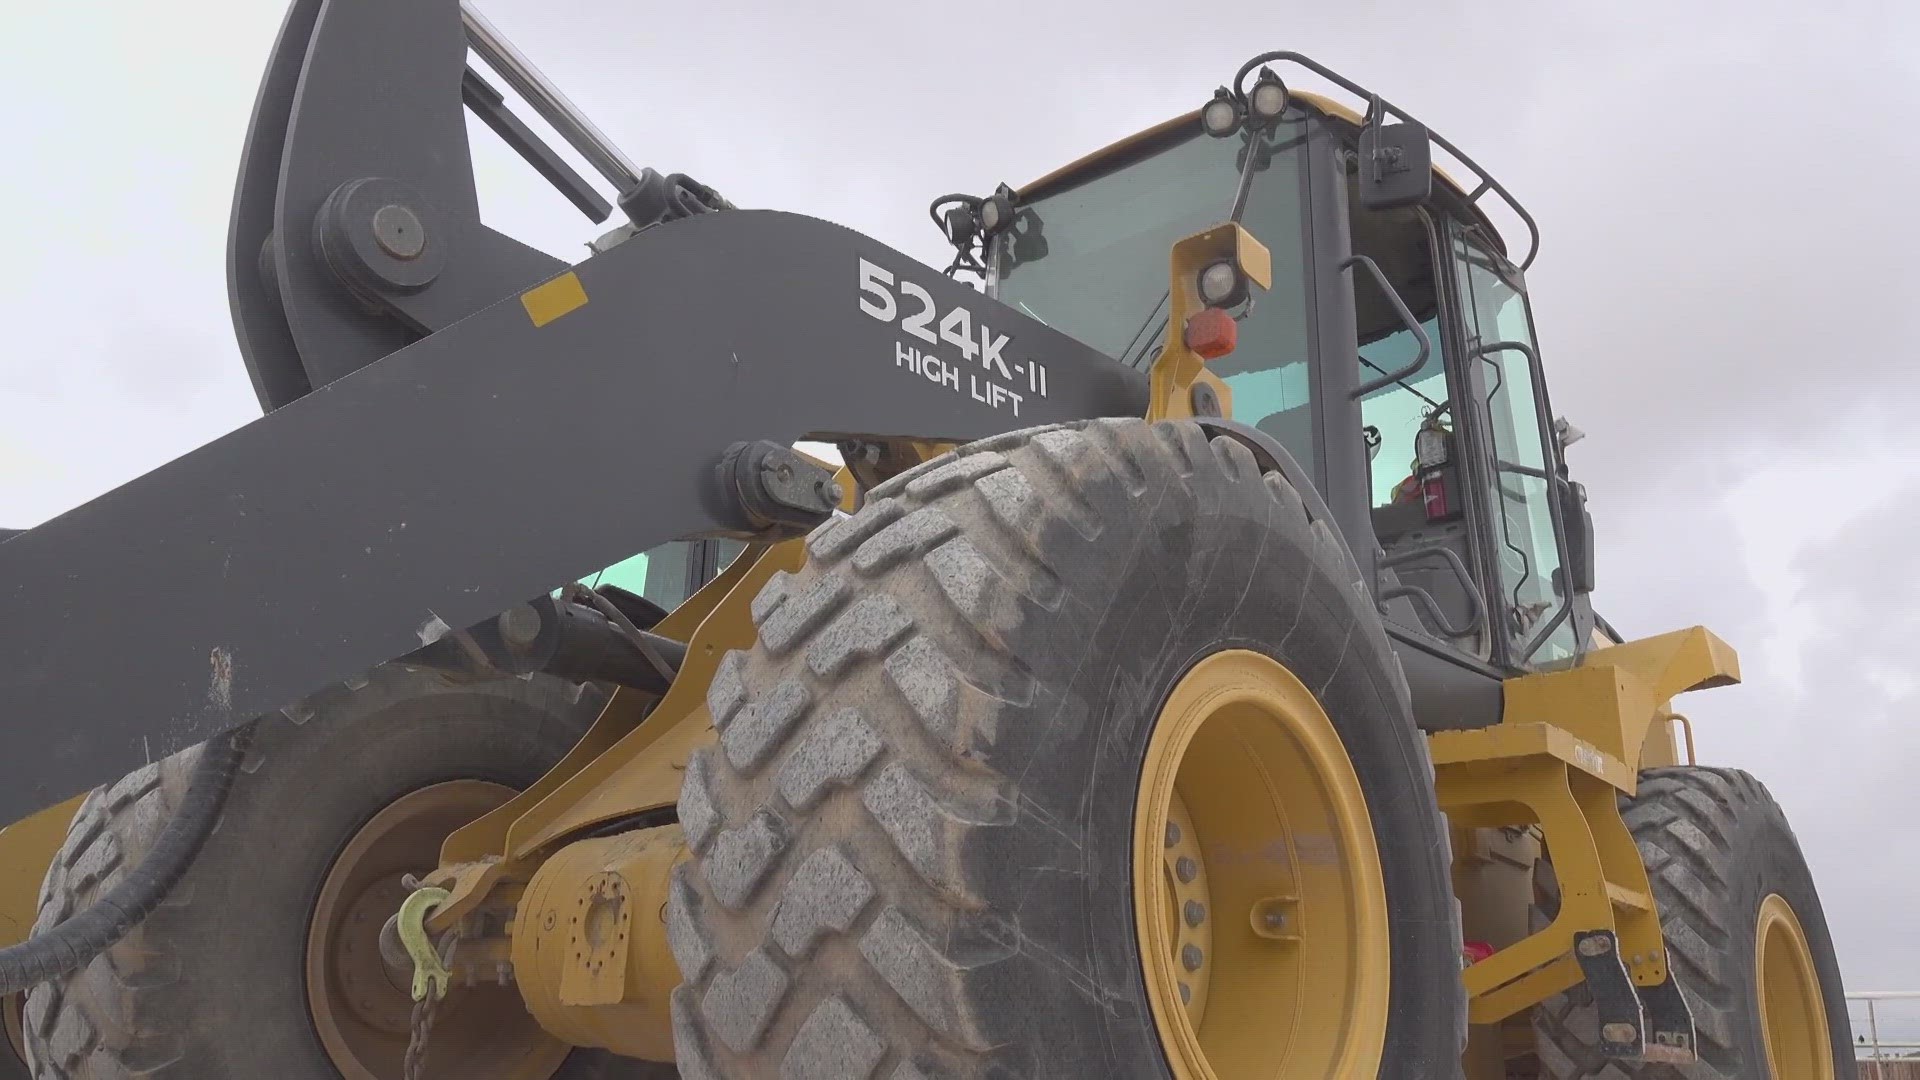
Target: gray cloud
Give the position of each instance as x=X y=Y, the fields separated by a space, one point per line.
x=1851 y=732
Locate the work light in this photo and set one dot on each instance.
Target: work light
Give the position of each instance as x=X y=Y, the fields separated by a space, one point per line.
x=1269 y=97
x=1221 y=116
x=996 y=212
x=1219 y=283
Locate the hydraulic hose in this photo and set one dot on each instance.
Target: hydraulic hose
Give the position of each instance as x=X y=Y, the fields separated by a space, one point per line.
x=69 y=945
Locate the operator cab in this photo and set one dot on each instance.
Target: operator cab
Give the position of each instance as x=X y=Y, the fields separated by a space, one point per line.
x=1412 y=397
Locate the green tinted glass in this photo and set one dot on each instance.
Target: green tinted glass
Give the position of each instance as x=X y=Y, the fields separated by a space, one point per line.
x=1494 y=305
x=660 y=574
x=1092 y=260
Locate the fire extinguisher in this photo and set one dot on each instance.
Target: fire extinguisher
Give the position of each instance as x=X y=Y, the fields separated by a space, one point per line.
x=1434 y=480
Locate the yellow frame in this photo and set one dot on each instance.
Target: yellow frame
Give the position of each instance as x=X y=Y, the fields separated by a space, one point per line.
x=1568 y=744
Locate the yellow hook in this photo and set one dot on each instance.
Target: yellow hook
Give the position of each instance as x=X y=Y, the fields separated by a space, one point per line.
x=428 y=969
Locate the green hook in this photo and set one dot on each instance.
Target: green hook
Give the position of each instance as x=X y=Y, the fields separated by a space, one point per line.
x=428 y=969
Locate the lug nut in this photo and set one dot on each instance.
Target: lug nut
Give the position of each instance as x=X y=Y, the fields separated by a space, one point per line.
x=1196 y=912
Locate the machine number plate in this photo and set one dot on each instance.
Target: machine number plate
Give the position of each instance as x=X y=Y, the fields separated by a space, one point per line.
x=983 y=373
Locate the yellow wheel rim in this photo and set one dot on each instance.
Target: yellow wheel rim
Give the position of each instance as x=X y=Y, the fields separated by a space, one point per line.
x=1793 y=1012
x=1250 y=808
x=361 y=1009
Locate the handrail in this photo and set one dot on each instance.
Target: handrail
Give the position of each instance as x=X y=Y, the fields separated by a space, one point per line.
x=1475 y=619
x=1406 y=318
x=1874 y=1044
x=1686 y=725
x=1375 y=101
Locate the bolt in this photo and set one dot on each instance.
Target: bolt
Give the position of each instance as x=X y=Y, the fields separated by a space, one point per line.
x=1618 y=1033
x=1205 y=401
x=1185 y=869
x=1173 y=833
x=831 y=492
x=519 y=626
x=1596 y=945
x=1275 y=919
x=1196 y=912
x=1190 y=957
x=398 y=232
x=1186 y=994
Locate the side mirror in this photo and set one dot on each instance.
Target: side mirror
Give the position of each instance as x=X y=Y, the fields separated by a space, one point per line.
x=1579 y=525
x=1566 y=434
x=1396 y=165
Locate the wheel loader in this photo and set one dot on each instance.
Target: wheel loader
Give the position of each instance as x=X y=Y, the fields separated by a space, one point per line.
x=1187 y=669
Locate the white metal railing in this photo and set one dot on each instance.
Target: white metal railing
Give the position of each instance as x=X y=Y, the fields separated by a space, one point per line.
x=1873 y=1047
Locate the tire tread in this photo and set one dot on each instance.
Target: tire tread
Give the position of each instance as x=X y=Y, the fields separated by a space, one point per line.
x=953 y=548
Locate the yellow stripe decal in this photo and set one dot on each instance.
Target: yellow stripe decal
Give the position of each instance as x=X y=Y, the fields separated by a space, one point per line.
x=549 y=301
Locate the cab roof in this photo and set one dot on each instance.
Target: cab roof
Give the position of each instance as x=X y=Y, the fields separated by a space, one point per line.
x=1340 y=114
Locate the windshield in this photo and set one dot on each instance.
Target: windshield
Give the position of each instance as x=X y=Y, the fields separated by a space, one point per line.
x=1091 y=260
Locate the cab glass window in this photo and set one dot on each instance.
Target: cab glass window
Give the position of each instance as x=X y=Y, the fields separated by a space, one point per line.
x=1091 y=259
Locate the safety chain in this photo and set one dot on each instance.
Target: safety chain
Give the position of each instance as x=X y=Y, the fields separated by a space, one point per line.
x=428 y=988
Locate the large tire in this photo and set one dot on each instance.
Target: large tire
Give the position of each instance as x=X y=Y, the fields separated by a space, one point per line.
x=12 y=1066
x=211 y=985
x=913 y=838
x=1716 y=846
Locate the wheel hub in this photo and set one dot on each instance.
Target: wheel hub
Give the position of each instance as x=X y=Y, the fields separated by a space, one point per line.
x=1258 y=895
x=361 y=1009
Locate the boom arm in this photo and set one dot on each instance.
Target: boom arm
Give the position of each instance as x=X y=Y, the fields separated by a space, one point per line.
x=514 y=436
x=360 y=99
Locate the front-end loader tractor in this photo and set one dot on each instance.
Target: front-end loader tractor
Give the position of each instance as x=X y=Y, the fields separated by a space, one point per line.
x=1188 y=669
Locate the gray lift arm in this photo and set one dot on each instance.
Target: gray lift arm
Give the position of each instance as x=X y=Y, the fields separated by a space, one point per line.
x=468 y=441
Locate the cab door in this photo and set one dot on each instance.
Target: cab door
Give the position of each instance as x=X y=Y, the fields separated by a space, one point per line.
x=1421 y=521
x=1531 y=596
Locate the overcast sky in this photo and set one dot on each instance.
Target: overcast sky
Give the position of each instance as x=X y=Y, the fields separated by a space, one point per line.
x=1726 y=293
